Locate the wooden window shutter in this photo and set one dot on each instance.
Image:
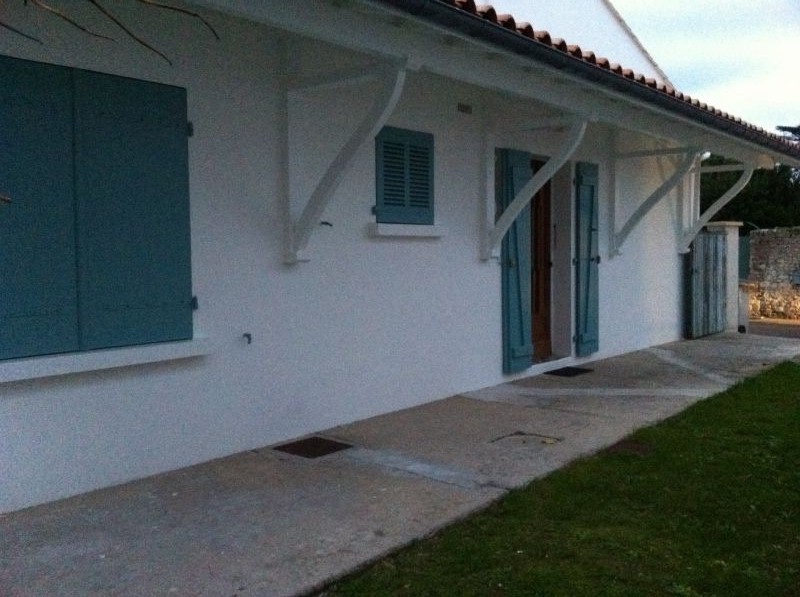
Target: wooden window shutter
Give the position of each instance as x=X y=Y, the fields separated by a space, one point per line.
x=133 y=211
x=404 y=177
x=38 y=312
x=587 y=333
x=514 y=171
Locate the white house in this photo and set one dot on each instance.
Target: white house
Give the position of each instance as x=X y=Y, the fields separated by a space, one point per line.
x=324 y=215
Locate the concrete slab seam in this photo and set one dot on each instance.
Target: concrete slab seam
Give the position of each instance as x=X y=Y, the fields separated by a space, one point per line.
x=671 y=358
x=435 y=472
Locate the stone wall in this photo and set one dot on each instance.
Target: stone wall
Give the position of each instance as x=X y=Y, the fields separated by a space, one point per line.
x=774 y=257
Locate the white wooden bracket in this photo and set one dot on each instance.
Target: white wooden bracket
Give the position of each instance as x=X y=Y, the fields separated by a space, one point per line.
x=392 y=78
x=525 y=195
x=730 y=194
x=689 y=157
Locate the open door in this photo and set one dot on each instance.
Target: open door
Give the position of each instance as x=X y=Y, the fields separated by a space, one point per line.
x=542 y=261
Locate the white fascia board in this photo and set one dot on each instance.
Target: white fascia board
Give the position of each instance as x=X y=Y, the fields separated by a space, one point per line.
x=384 y=32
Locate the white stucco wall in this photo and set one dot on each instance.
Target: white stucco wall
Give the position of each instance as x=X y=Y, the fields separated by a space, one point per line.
x=367 y=326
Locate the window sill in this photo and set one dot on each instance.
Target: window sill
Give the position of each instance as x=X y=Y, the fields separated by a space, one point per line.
x=406 y=230
x=96 y=360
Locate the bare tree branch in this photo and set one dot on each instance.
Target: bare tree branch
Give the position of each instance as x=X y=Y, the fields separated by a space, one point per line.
x=69 y=20
x=18 y=32
x=42 y=5
x=183 y=11
x=128 y=32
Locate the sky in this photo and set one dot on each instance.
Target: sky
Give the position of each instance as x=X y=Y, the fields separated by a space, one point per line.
x=742 y=56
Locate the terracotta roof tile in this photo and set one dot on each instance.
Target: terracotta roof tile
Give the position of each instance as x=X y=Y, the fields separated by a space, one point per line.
x=468 y=5
x=507 y=21
x=487 y=11
x=526 y=30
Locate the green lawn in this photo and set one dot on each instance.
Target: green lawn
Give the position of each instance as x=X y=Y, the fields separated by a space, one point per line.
x=706 y=503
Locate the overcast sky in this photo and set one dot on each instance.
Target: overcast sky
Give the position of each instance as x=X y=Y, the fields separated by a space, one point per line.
x=742 y=56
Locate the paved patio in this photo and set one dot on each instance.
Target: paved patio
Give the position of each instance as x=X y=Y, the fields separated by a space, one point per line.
x=268 y=523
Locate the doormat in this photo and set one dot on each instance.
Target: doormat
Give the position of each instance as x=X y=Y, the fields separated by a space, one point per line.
x=569 y=371
x=312 y=447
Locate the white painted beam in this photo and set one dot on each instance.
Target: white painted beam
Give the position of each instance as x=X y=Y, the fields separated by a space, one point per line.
x=545 y=123
x=381 y=32
x=334 y=79
x=649 y=203
x=525 y=195
x=723 y=168
x=726 y=198
x=382 y=108
x=644 y=153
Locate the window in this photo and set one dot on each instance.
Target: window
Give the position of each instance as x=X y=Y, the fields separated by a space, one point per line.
x=404 y=171
x=95 y=241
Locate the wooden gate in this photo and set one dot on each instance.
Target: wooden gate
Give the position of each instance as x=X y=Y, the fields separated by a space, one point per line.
x=706 y=283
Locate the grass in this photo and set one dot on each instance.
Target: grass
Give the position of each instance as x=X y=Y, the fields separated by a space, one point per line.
x=706 y=503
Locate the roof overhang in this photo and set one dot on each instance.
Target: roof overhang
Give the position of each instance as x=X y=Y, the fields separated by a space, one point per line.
x=441 y=38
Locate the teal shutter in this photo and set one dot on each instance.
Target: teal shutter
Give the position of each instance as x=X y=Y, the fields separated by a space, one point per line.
x=404 y=177
x=38 y=313
x=131 y=169
x=587 y=260
x=514 y=170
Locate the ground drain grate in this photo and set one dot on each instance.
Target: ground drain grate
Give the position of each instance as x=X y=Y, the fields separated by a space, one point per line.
x=569 y=371
x=525 y=437
x=312 y=447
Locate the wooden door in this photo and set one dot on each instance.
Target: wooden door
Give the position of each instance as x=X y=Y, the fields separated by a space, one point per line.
x=707 y=283
x=541 y=260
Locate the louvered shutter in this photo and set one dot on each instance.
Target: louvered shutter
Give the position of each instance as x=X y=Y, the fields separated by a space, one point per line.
x=404 y=172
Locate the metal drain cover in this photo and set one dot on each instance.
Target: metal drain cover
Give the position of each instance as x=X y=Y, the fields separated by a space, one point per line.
x=312 y=447
x=522 y=438
x=569 y=371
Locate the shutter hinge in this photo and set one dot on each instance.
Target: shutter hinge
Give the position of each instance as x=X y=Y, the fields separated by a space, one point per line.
x=374 y=210
x=189 y=129
x=195 y=304
x=574 y=261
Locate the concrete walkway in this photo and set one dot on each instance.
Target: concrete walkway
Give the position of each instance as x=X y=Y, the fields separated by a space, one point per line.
x=268 y=523
x=788 y=328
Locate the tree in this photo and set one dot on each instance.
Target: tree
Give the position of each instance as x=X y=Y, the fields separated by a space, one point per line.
x=792 y=131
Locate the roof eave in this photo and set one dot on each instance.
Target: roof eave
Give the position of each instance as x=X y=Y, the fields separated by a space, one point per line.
x=451 y=17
